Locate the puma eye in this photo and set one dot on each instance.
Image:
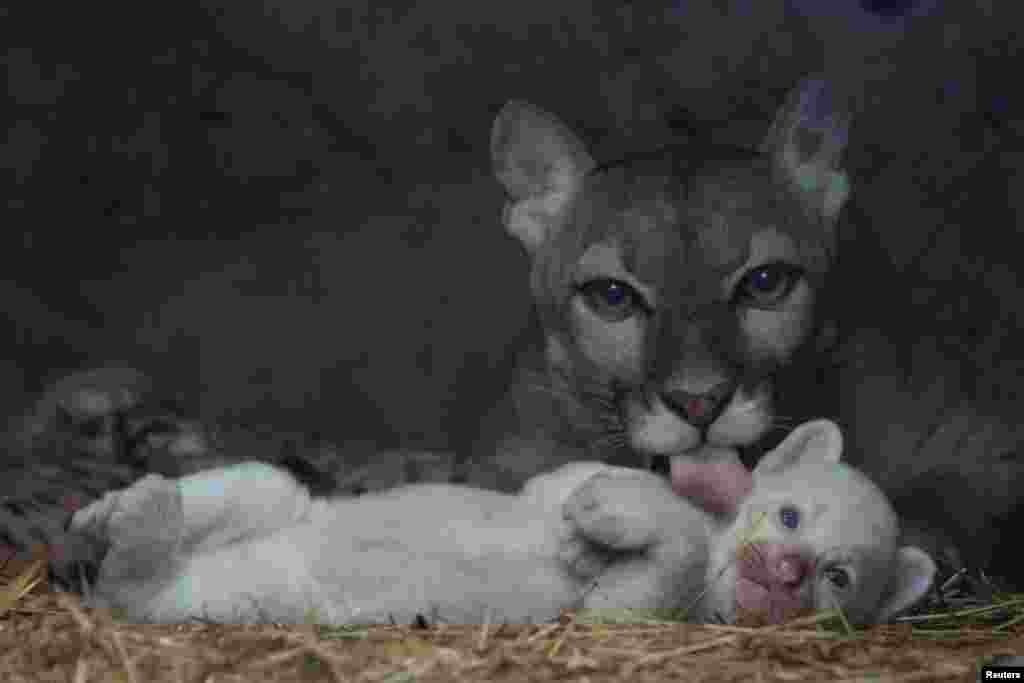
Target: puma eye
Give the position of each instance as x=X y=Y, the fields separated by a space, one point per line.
x=789 y=516
x=767 y=285
x=838 y=577
x=611 y=300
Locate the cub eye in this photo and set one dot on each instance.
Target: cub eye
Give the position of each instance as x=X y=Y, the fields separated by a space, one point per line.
x=789 y=516
x=767 y=285
x=611 y=300
x=837 y=576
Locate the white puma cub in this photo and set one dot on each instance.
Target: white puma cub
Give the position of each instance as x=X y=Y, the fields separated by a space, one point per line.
x=247 y=543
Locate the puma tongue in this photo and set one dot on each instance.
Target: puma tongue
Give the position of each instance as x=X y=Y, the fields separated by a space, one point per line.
x=713 y=479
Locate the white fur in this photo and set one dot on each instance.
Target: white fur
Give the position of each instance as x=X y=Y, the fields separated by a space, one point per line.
x=246 y=543
x=198 y=547
x=846 y=522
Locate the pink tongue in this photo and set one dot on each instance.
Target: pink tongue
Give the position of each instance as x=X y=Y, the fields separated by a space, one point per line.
x=718 y=487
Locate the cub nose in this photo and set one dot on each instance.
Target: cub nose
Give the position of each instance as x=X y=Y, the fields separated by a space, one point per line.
x=701 y=409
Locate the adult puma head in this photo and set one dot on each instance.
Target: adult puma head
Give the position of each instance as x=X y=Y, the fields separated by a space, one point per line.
x=671 y=288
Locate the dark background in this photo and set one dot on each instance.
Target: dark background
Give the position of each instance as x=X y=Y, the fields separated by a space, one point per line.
x=284 y=210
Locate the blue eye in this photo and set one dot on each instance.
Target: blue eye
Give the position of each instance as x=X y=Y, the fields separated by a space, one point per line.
x=614 y=294
x=767 y=285
x=765 y=279
x=611 y=300
x=790 y=517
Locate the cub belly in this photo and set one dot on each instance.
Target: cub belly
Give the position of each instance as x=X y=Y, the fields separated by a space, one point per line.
x=177 y=551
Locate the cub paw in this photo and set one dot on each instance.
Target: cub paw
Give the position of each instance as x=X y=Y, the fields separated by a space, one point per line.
x=618 y=509
x=135 y=531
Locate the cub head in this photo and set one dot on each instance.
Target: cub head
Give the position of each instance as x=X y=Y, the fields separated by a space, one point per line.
x=674 y=287
x=814 y=534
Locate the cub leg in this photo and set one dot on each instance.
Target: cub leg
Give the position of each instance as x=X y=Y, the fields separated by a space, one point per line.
x=247 y=500
x=626 y=509
x=640 y=544
x=135 y=533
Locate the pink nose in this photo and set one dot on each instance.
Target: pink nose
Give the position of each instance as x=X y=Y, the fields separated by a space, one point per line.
x=698 y=407
x=701 y=409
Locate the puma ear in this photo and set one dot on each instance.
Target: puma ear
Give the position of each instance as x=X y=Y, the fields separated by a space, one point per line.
x=913 y=574
x=541 y=165
x=806 y=143
x=818 y=440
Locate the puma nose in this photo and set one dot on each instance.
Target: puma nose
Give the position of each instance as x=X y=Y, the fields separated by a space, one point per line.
x=702 y=409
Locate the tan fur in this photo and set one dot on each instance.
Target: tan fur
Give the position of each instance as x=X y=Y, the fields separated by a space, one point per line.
x=683 y=356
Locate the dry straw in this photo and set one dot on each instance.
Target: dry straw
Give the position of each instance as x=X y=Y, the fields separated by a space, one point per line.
x=47 y=636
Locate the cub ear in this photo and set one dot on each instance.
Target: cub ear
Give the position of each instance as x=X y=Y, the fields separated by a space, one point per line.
x=541 y=165
x=806 y=143
x=815 y=441
x=913 y=573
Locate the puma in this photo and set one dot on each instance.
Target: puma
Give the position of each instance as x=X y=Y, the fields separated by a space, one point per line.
x=673 y=290
x=248 y=543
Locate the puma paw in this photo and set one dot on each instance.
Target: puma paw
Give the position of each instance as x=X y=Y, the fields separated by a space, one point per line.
x=135 y=532
x=618 y=509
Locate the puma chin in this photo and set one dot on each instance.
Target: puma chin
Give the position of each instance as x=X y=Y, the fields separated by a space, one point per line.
x=671 y=288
